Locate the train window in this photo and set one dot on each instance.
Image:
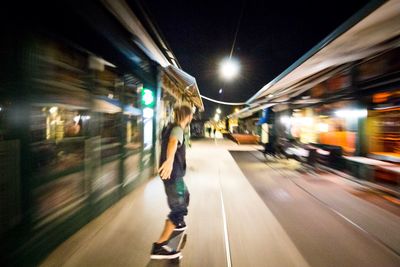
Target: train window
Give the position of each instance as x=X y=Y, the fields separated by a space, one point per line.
x=60 y=75
x=59 y=113
x=132 y=128
x=107 y=106
x=109 y=132
x=133 y=146
x=132 y=114
x=57 y=135
x=133 y=136
x=59 y=125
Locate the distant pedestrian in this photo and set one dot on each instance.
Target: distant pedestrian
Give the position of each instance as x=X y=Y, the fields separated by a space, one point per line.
x=209 y=131
x=172 y=171
x=215 y=132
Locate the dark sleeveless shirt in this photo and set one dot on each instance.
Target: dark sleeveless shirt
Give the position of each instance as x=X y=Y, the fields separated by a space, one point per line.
x=179 y=166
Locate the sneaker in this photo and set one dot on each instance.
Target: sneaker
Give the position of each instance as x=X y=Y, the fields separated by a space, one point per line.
x=163 y=251
x=181 y=226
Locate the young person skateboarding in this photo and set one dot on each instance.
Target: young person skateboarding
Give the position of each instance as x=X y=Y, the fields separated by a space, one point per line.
x=172 y=170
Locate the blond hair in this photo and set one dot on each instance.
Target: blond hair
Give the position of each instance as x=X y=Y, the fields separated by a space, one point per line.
x=181 y=112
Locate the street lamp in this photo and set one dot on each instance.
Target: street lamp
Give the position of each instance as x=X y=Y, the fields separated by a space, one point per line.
x=229 y=68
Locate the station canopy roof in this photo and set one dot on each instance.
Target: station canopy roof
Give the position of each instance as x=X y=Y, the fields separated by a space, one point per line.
x=372 y=30
x=177 y=82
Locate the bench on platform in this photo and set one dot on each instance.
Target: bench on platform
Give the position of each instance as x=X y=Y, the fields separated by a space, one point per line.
x=327 y=155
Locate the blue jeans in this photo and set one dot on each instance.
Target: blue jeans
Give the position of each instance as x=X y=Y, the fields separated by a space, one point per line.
x=178 y=199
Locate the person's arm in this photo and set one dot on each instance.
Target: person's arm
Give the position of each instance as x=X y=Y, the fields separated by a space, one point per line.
x=166 y=168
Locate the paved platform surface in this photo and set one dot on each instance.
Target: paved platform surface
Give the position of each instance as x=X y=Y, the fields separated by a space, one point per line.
x=122 y=235
x=242 y=213
x=323 y=215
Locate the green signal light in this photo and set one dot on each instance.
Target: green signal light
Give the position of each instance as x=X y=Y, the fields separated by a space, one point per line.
x=147 y=97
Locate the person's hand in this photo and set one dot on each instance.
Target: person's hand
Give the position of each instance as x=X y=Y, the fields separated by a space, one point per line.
x=166 y=170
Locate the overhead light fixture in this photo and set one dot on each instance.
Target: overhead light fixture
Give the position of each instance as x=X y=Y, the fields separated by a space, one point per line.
x=229 y=68
x=351 y=113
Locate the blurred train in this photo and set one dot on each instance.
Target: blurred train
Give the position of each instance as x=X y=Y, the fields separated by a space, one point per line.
x=84 y=89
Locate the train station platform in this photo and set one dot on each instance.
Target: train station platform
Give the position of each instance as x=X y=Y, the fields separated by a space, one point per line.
x=228 y=223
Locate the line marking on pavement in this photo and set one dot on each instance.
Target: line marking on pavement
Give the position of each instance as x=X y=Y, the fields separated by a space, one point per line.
x=333 y=210
x=226 y=236
x=227 y=249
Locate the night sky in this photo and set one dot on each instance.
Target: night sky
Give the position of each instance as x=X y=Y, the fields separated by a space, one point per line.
x=271 y=37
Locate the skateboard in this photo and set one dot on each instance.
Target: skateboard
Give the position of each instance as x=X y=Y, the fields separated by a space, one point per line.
x=177 y=242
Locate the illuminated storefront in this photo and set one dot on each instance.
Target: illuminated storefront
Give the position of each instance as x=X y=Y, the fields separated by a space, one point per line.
x=383 y=127
x=333 y=124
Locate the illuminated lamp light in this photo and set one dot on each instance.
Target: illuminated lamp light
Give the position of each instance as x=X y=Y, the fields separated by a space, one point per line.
x=229 y=68
x=351 y=113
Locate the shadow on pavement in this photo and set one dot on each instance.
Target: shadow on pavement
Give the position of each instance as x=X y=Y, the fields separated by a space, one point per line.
x=162 y=263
